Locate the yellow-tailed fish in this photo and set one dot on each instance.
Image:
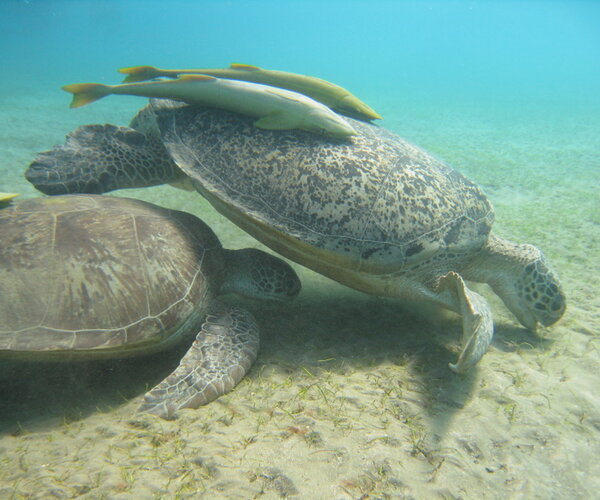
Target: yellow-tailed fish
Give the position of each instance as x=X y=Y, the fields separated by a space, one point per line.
x=277 y=109
x=6 y=197
x=334 y=96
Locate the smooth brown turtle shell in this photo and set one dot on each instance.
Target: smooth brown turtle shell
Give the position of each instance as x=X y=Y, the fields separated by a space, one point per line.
x=101 y=276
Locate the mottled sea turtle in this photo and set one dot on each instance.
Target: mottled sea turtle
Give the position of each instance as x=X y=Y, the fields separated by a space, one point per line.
x=94 y=277
x=373 y=212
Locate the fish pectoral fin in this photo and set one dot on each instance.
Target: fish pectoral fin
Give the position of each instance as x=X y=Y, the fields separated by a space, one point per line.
x=245 y=67
x=276 y=120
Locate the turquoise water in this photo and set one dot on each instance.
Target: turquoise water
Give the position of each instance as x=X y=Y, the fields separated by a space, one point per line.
x=350 y=394
x=487 y=49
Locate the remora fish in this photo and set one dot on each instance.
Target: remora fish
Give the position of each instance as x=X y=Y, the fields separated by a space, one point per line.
x=334 y=96
x=6 y=197
x=277 y=108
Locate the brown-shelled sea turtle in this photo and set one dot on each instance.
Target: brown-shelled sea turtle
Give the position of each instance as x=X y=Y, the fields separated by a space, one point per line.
x=95 y=277
x=373 y=212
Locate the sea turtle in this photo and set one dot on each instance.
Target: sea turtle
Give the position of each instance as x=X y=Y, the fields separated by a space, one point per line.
x=373 y=212
x=95 y=277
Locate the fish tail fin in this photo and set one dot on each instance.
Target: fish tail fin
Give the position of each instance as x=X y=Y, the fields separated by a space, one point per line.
x=6 y=197
x=84 y=93
x=139 y=73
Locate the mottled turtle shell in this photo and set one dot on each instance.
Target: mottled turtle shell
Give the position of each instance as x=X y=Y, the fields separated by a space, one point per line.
x=373 y=203
x=101 y=276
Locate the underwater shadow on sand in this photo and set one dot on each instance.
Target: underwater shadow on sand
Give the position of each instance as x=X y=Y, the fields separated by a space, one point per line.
x=338 y=333
x=43 y=395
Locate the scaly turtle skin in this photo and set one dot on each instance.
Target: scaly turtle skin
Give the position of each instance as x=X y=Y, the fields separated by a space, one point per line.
x=374 y=212
x=91 y=277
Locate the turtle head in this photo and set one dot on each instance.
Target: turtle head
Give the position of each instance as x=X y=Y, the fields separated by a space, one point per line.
x=100 y=158
x=256 y=274
x=523 y=278
x=538 y=287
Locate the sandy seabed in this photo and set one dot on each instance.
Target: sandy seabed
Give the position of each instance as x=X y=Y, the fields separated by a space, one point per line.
x=351 y=396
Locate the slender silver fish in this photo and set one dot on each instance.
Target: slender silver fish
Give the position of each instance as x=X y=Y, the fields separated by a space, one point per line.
x=337 y=98
x=276 y=108
x=6 y=197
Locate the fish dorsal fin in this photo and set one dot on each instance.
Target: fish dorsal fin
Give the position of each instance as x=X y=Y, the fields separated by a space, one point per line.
x=245 y=67
x=288 y=95
x=196 y=77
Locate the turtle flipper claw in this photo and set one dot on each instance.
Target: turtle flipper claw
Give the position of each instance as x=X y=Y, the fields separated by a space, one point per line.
x=222 y=353
x=478 y=325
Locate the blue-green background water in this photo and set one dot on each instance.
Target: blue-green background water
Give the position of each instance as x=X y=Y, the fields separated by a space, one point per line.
x=443 y=50
x=507 y=92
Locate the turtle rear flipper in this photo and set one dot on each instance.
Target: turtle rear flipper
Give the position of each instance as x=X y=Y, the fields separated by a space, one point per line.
x=100 y=158
x=222 y=353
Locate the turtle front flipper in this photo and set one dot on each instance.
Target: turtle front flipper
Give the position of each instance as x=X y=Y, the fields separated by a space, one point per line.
x=100 y=158
x=478 y=325
x=222 y=353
